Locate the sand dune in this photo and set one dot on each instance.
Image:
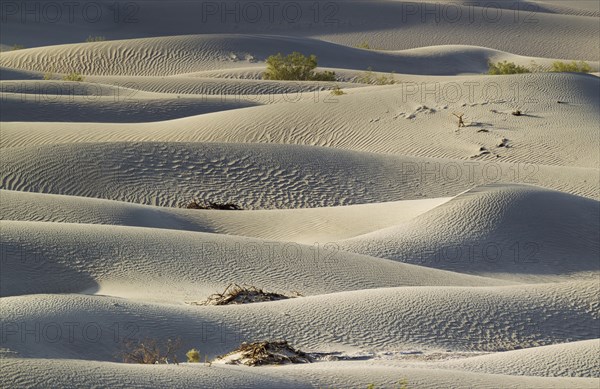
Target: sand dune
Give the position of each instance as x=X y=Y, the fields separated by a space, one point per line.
x=384 y=319
x=50 y=261
x=576 y=359
x=187 y=54
x=173 y=174
x=508 y=231
x=77 y=373
x=302 y=225
x=411 y=252
x=529 y=28
x=384 y=120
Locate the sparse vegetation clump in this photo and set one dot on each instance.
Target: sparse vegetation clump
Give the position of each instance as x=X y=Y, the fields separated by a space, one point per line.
x=402 y=384
x=212 y=205
x=577 y=67
x=295 y=67
x=193 y=356
x=506 y=67
x=17 y=47
x=73 y=76
x=150 y=352
x=94 y=38
x=236 y=294
x=368 y=77
x=364 y=45
x=265 y=353
x=337 y=91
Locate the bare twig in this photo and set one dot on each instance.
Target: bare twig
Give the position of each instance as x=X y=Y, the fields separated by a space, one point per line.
x=461 y=123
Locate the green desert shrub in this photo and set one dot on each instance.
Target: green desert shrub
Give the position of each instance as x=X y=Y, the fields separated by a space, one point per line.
x=337 y=91
x=385 y=80
x=506 y=67
x=93 y=38
x=402 y=384
x=73 y=76
x=368 y=77
x=295 y=67
x=193 y=356
x=579 y=67
x=364 y=45
x=150 y=351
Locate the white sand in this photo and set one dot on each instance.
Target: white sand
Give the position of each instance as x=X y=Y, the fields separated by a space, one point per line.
x=422 y=252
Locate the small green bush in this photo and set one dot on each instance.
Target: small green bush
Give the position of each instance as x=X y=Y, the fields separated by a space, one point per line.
x=73 y=76
x=364 y=45
x=295 y=67
x=193 y=356
x=385 y=80
x=368 y=77
x=578 y=67
x=323 y=76
x=337 y=91
x=402 y=384
x=149 y=351
x=93 y=38
x=506 y=67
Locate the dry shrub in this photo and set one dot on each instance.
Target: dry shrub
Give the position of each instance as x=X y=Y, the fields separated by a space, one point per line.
x=193 y=356
x=211 y=205
x=266 y=353
x=246 y=294
x=149 y=352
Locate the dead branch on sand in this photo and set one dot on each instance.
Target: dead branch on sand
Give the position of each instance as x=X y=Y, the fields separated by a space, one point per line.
x=265 y=353
x=461 y=123
x=246 y=294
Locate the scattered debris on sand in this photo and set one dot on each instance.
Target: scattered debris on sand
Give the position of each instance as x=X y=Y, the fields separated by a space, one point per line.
x=482 y=151
x=421 y=109
x=503 y=143
x=516 y=113
x=210 y=205
x=246 y=294
x=424 y=109
x=404 y=355
x=483 y=130
x=264 y=353
x=150 y=352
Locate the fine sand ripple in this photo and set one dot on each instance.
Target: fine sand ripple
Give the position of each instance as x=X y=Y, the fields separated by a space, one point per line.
x=415 y=252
